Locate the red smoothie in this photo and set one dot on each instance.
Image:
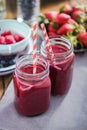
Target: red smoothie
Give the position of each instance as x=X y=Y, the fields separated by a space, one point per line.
x=61 y=63
x=61 y=71
x=32 y=97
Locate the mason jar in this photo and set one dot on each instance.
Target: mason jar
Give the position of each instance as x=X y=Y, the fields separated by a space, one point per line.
x=27 y=10
x=32 y=91
x=61 y=61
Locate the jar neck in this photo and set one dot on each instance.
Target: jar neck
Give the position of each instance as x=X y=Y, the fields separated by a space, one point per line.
x=63 y=43
x=27 y=60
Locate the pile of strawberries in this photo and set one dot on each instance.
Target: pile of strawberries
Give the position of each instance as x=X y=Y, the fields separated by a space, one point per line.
x=7 y=37
x=70 y=21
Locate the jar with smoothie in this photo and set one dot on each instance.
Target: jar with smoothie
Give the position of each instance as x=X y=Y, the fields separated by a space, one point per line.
x=32 y=91
x=61 y=63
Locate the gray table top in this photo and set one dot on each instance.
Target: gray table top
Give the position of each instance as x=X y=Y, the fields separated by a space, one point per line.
x=68 y=112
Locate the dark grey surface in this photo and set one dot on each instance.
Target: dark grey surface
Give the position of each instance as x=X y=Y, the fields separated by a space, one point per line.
x=67 y=112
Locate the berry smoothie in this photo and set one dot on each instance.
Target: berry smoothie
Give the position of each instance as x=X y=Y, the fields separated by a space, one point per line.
x=32 y=97
x=61 y=71
x=61 y=60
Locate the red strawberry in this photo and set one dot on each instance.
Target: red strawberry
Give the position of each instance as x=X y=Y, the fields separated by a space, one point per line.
x=64 y=29
x=82 y=37
x=66 y=9
x=21 y=38
x=51 y=33
x=2 y=39
x=51 y=28
x=9 y=39
x=62 y=18
x=51 y=15
x=77 y=8
x=8 y=32
x=16 y=37
x=78 y=15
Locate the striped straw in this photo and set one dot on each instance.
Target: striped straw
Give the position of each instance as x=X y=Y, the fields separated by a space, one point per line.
x=48 y=44
x=47 y=40
x=34 y=47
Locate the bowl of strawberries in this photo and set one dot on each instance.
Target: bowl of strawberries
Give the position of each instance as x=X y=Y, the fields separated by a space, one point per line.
x=70 y=21
x=14 y=37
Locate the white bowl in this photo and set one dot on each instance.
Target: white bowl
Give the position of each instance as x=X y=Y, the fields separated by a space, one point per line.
x=19 y=28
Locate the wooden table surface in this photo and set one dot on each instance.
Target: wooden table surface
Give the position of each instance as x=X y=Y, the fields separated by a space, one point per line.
x=5 y=80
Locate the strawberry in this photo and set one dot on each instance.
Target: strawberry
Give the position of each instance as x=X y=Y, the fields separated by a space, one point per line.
x=51 y=15
x=78 y=16
x=51 y=28
x=82 y=37
x=9 y=39
x=8 y=32
x=78 y=7
x=62 y=18
x=66 y=9
x=51 y=33
x=64 y=29
x=2 y=39
x=21 y=38
x=18 y=37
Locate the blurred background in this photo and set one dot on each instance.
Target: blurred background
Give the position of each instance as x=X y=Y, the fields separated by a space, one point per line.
x=11 y=6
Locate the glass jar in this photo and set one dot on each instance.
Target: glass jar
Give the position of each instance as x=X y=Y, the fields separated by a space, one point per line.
x=32 y=91
x=27 y=10
x=61 y=68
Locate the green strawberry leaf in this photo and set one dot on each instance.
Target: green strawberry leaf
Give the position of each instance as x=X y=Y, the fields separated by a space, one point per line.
x=85 y=24
x=43 y=19
x=42 y=16
x=81 y=18
x=46 y=21
x=73 y=39
x=78 y=29
x=61 y=9
x=55 y=25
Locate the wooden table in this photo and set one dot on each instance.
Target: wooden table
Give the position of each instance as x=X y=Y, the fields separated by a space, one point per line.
x=5 y=80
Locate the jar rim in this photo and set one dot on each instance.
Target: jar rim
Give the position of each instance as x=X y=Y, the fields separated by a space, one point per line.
x=20 y=63
x=58 y=39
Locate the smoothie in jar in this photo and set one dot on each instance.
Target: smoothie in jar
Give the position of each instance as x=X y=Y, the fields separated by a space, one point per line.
x=61 y=64
x=32 y=91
